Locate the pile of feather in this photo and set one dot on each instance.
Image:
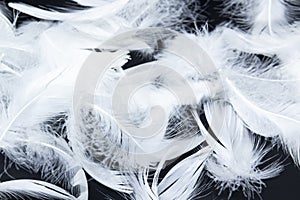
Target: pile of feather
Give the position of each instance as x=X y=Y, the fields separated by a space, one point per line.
x=143 y=98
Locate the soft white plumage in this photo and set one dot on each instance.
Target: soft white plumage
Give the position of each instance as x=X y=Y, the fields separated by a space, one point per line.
x=211 y=90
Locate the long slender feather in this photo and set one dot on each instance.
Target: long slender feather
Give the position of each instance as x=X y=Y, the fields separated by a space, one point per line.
x=34 y=188
x=87 y=14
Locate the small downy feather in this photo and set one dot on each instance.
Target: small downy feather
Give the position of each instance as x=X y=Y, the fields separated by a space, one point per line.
x=100 y=156
x=158 y=13
x=262 y=16
x=237 y=155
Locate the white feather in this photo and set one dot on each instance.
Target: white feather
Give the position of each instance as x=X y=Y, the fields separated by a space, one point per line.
x=39 y=63
x=87 y=14
x=277 y=115
x=94 y=3
x=47 y=154
x=39 y=91
x=237 y=154
x=34 y=188
x=179 y=183
x=267 y=16
x=265 y=94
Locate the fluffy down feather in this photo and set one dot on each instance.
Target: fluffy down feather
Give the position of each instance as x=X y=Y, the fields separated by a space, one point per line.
x=263 y=16
x=237 y=154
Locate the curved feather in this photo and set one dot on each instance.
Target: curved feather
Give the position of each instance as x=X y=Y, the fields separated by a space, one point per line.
x=266 y=16
x=86 y=14
x=179 y=183
x=39 y=92
x=235 y=162
x=265 y=94
x=34 y=188
x=49 y=155
x=279 y=114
